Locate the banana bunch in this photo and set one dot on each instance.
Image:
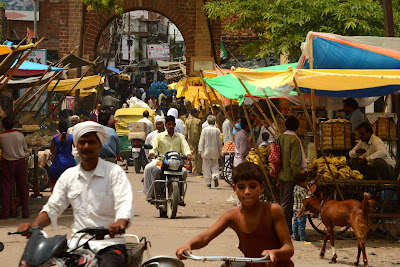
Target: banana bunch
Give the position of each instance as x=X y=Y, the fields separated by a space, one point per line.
x=345 y=173
x=264 y=151
x=356 y=175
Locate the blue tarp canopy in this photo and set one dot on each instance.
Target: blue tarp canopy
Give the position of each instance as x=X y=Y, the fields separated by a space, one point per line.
x=113 y=69
x=28 y=65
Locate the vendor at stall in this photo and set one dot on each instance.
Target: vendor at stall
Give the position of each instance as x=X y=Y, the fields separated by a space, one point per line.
x=370 y=155
x=352 y=113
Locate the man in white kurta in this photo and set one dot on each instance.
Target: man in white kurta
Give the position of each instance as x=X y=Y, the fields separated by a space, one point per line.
x=210 y=147
x=99 y=193
x=149 y=124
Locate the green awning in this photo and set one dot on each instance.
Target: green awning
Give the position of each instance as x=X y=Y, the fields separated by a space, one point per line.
x=231 y=88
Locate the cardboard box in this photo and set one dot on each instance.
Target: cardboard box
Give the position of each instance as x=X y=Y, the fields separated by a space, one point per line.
x=137 y=135
x=137 y=126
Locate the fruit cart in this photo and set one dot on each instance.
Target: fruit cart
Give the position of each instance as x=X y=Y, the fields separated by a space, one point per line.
x=385 y=217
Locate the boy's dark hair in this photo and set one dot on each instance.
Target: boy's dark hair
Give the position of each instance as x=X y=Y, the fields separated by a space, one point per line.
x=300 y=177
x=265 y=136
x=351 y=102
x=366 y=126
x=292 y=123
x=169 y=118
x=146 y=114
x=247 y=171
x=103 y=118
x=8 y=123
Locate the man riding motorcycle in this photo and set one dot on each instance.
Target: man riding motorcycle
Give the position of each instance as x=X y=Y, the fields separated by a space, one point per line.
x=164 y=142
x=99 y=193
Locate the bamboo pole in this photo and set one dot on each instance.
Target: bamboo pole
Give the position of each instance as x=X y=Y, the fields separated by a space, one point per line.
x=12 y=53
x=223 y=110
x=59 y=103
x=205 y=91
x=24 y=95
x=316 y=142
x=47 y=98
x=272 y=114
x=276 y=130
x=314 y=125
x=24 y=104
x=17 y=65
x=385 y=104
x=258 y=152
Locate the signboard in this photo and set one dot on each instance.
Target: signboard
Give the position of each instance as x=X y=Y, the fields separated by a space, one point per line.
x=38 y=56
x=21 y=9
x=158 y=51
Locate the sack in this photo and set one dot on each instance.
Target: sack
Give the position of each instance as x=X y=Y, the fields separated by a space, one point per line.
x=275 y=159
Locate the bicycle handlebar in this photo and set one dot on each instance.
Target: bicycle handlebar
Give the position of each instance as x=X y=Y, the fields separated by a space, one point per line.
x=187 y=255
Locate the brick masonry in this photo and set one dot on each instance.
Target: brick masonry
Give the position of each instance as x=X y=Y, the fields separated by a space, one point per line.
x=60 y=24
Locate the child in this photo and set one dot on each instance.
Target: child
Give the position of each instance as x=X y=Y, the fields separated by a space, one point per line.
x=300 y=192
x=261 y=226
x=265 y=138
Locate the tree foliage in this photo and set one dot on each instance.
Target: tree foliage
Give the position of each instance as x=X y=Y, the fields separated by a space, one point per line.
x=282 y=25
x=105 y=6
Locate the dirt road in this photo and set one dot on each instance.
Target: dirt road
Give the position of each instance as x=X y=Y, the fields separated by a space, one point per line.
x=204 y=206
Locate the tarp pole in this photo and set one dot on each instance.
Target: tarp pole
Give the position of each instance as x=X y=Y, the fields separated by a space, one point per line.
x=314 y=125
x=223 y=110
x=17 y=65
x=47 y=98
x=59 y=103
x=258 y=151
x=25 y=95
x=205 y=91
x=272 y=113
x=12 y=53
x=276 y=130
x=316 y=143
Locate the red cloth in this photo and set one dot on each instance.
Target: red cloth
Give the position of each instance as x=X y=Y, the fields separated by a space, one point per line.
x=9 y=131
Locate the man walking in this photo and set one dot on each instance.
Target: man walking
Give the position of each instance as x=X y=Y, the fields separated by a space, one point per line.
x=111 y=149
x=192 y=134
x=210 y=147
x=99 y=193
x=293 y=162
x=149 y=124
x=13 y=147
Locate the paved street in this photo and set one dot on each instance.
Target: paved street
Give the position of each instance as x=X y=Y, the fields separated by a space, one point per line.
x=204 y=206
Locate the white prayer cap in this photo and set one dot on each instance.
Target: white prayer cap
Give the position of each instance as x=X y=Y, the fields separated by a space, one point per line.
x=89 y=127
x=159 y=118
x=173 y=112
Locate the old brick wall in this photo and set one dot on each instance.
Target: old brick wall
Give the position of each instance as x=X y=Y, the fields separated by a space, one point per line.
x=49 y=25
x=60 y=24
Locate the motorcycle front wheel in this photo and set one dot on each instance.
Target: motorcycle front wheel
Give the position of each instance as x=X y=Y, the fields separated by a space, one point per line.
x=173 y=199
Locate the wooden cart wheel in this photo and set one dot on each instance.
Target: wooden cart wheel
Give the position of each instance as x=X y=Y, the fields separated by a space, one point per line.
x=227 y=170
x=391 y=220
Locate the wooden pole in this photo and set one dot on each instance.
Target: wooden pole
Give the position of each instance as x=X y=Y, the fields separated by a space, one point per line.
x=17 y=65
x=47 y=98
x=205 y=91
x=276 y=130
x=258 y=152
x=15 y=50
x=314 y=125
x=273 y=115
x=223 y=110
x=388 y=18
x=316 y=142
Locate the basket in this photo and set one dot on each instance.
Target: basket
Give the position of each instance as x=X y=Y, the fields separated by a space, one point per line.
x=336 y=134
x=383 y=124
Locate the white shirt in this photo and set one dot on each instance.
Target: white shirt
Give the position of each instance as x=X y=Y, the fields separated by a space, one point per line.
x=180 y=126
x=97 y=200
x=205 y=125
x=227 y=129
x=149 y=140
x=242 y=147
x=210 y=144
x=375 y=148
x=150 y=126
x=271 y=136
x=13 y=145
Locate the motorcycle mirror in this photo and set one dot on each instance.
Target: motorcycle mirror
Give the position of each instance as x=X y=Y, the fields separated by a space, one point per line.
x=147 y=146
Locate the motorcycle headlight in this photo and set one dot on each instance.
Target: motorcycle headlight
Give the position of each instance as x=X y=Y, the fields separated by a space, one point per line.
x=173 y=164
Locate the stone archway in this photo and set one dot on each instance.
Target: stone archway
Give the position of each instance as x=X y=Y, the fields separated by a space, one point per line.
x=187 y=15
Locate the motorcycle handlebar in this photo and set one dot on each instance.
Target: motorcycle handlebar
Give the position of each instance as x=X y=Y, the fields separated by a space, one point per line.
x=29 y=231
x=187 y=255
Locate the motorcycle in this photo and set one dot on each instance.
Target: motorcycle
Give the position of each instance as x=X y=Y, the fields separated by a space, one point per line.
x=42 y=251
x=138 y=154
x=170 y=190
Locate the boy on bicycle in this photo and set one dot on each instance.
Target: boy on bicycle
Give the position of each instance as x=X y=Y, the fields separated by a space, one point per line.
x=261 y=226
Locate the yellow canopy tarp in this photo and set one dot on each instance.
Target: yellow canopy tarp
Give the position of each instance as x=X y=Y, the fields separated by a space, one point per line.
x=335 y=80
x=5 y=49
x=87 y=85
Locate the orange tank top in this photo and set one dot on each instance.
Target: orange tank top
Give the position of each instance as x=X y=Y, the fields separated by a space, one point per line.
x=263 y=238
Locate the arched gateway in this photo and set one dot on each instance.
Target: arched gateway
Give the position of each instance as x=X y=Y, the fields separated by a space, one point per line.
x=187 y=15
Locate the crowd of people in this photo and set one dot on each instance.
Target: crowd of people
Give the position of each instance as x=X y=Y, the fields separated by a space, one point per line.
x=88 y=147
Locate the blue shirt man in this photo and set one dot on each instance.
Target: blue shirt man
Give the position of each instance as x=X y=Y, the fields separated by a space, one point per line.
x=111 y=148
